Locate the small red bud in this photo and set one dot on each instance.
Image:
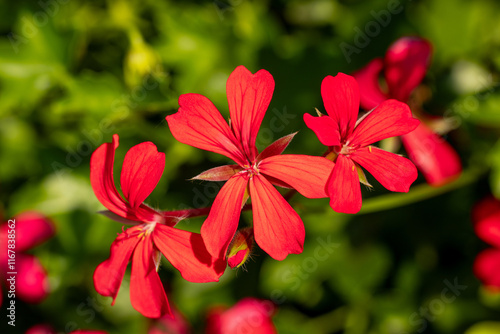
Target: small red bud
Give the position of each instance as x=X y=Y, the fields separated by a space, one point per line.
x=240 y=248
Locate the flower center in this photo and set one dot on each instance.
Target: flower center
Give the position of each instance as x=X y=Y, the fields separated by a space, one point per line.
x=147 y=229
x=149 y=225
x=344 y=149
x=251 y=170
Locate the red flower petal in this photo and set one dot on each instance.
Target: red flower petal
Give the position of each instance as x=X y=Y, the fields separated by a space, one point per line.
x=391 y=118
x=32 y=228
x=341 y=98
x=276 y=148
x=142 y=169
x=198 y=123
x=102 y=181
x=248 y=96
x=369 y=88
x=186 y=251
x=108 y=275
x=221 y=173
x=406 y=62
x=436 y=159
x=146 y=290
x=487 y=267
x=343 y=186
x=307 y=174
x=31 y=283
x=278 y=229
x=81 y=331
x=325 y=128
x=393 y=171
x=488 y=229
x=222 y=221
x=237 y=259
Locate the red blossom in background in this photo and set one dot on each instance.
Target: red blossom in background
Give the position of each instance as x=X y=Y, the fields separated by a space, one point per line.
x=278 y=229
x=486 y=218
x=350 y=139
x=249 y=316
x=404 y=66
x=152 y=233
x=176 y=324
x=41 y=329
x=47 y=329
x=31 y=229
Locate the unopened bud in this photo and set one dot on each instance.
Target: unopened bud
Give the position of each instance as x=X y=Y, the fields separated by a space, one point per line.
x=140 y=61
x=240 y=248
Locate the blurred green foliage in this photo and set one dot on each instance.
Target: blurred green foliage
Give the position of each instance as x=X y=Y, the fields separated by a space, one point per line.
x=74 y=72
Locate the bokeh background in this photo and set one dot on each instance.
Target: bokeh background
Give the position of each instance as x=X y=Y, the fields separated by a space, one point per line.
x=74 y=72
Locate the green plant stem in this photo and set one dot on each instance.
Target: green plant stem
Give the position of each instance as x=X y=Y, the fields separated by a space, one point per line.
x=419 y=192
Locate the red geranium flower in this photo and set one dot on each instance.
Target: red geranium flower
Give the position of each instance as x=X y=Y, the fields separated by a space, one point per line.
x=30 y=229
x=249 y=316
x=153 y=231
x=278 y=229
x=350 y=139
x=404 y=66
x=486 y=217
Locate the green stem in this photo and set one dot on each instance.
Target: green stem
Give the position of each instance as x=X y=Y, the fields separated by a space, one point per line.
x=420 y=192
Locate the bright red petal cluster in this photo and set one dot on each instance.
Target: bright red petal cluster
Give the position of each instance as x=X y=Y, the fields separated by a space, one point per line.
x=278 y=229
x=404 y=67
x=486 y=217
x=349 y=140
x=152 y=233
x=30 y=229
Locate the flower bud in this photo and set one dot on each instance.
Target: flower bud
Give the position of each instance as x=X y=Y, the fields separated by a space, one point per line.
x=240 y=248
x=141 y=61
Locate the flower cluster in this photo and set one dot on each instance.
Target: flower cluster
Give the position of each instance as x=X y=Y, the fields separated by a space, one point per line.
x=486 y=218
x=30 y=229
x=404 y=67
x=277 y=228
x=153 y=232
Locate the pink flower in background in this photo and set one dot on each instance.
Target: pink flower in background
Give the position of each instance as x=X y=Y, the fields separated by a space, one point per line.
x=175 y=324
x=30 y=229
x=249 y=316
x=47 y=329
x=152 y=233
x=404 y=66
x=278 y=229
x=486 y=218
x=349 y=140
x=41 y=329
